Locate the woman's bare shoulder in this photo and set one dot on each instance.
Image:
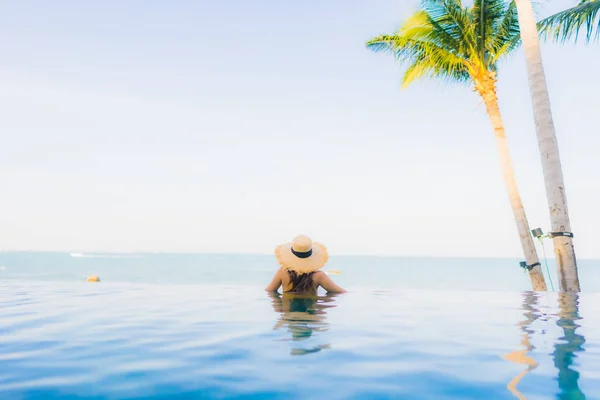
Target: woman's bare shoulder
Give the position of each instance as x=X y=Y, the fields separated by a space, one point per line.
x=323 y=280
x=318 y=275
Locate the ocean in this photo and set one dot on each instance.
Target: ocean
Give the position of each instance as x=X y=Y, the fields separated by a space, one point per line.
x=195 y=326
x=360 y=272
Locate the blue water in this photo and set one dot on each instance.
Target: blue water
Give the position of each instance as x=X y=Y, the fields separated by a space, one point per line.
x=191 y=326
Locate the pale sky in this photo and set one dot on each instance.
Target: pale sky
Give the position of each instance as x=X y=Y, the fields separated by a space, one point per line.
x=231 y=126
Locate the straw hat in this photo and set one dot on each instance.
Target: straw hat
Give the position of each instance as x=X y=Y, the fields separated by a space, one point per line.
x=302 y=255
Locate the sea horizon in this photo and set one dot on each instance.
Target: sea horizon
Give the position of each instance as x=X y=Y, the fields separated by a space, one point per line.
x=240 y=253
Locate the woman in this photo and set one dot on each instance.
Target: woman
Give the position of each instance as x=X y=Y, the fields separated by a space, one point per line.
x=300 y=263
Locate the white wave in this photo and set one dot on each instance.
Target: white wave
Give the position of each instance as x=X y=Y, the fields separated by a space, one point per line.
x=82 y=255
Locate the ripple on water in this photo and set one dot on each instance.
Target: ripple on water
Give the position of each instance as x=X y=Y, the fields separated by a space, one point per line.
x=135 y=341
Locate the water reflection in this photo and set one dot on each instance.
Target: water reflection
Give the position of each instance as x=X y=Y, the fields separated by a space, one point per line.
x=531 y=314
x=302 y=316
x=565 y=350
x=570 y=343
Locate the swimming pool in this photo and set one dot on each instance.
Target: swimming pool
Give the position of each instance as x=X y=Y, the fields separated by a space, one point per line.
x=143 y=340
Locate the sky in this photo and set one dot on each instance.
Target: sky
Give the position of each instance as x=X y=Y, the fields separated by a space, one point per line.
x=232 y=126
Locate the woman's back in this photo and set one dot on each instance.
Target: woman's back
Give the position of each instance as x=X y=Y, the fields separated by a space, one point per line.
x=309 y=283
x=294 y=283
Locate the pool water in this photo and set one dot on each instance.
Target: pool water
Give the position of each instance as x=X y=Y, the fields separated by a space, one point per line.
x=64 y=339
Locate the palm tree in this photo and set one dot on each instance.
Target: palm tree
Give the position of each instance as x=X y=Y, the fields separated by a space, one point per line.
x=567 y=24
x=464 y=44
x=547 y=142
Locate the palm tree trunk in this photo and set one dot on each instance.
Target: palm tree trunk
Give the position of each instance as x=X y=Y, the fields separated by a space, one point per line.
x=486 y=89
x=544 y=126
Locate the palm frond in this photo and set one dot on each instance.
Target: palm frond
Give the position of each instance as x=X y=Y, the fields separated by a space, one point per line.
x=487 y=15
x=424 y=57
x=454 y=18
x=427 y=48
x=439 y=68
x=446 y=40
x=569 y=23
x=507 y=34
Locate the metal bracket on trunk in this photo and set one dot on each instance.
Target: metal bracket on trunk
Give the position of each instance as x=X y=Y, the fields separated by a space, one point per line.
x=555 y=234
x=538 y=233
x=524 y=265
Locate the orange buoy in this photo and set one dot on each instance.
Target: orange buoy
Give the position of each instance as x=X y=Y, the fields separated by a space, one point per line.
x=93 y=278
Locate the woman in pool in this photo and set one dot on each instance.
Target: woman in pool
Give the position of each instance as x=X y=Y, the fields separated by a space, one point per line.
x=300 y=263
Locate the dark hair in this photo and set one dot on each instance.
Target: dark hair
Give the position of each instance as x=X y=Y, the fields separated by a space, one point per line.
x=301 y=283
